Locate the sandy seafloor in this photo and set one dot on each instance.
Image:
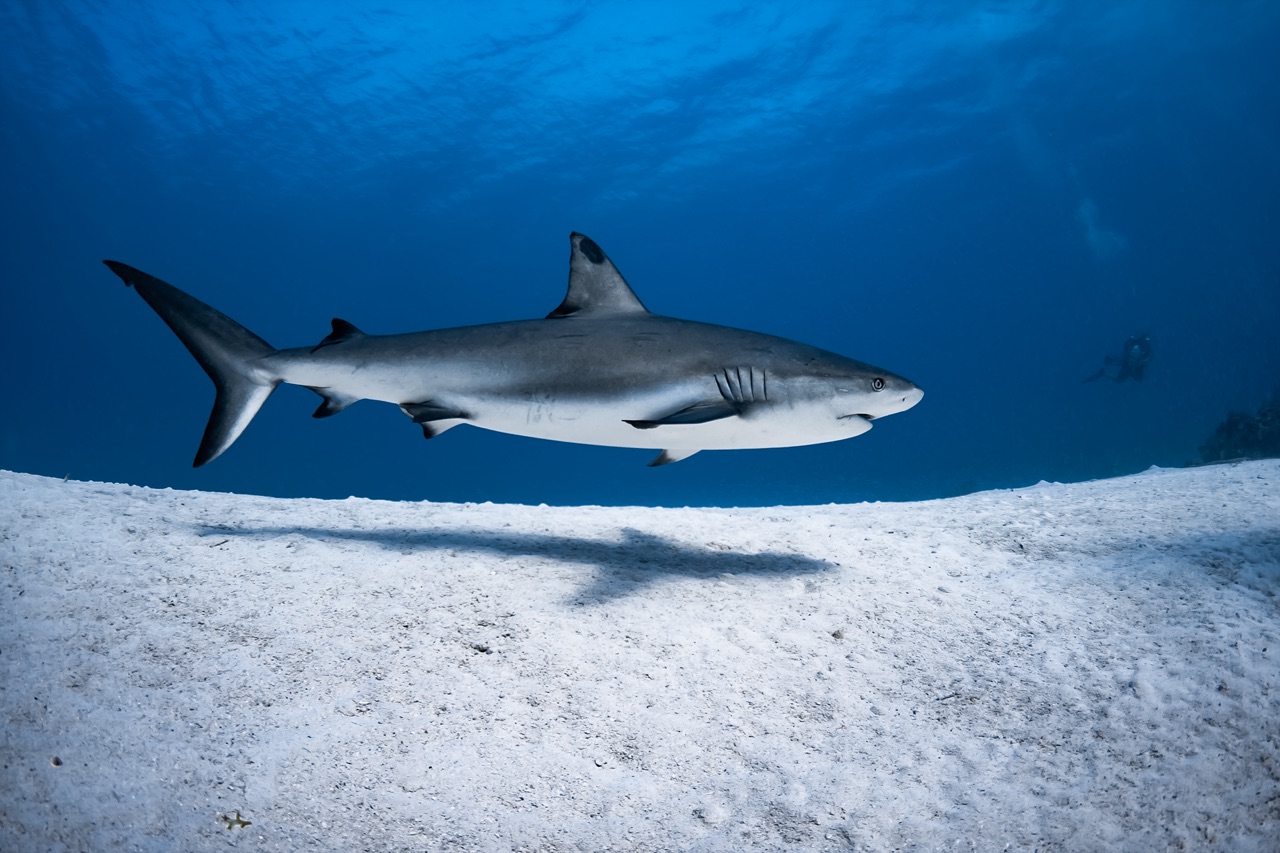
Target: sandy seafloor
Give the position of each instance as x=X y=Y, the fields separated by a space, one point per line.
x=1092 y=666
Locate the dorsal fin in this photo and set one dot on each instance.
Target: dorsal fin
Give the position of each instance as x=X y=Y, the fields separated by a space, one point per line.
x=342 y=331
x=596 y=288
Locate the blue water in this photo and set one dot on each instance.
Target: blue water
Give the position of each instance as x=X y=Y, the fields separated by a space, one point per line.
x=987 y=198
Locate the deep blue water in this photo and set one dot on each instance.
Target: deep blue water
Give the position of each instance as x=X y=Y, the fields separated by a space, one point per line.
x=984 y=197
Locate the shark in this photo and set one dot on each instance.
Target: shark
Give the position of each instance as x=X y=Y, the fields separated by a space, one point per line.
x=600 y=369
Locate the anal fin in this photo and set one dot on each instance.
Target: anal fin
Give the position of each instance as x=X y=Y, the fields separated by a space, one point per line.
x=666 y=457
x=431 y=429
x=334 y=402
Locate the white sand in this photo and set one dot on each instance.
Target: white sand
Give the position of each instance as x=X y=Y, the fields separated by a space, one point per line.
x=1081 y=667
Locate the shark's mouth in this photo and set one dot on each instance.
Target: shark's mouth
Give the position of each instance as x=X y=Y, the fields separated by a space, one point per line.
x=862 y=415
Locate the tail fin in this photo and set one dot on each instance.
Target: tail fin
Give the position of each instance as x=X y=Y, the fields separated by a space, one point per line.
x=227 y=351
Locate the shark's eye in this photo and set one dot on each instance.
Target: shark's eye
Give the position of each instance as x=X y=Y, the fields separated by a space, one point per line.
x=877 y=384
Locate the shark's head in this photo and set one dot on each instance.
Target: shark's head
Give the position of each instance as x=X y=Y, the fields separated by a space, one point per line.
x=848 y=395
x=873 y=393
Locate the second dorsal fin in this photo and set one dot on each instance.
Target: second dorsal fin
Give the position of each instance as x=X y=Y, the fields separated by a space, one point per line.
x=596 y=288
x=342 y=331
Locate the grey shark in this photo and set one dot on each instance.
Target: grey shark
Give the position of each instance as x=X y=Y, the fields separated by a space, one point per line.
x=599 y=369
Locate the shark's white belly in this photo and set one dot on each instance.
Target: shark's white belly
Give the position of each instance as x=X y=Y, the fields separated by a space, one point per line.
x=734 y=433
x=604 y=422
x=600 y=419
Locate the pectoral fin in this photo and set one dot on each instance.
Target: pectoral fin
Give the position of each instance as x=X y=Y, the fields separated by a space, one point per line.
x=699 y=413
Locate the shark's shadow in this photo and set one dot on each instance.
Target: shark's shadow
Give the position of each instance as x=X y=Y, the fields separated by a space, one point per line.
x=622 y=567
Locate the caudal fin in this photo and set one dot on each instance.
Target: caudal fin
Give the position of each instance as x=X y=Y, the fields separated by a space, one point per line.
x=231 y=355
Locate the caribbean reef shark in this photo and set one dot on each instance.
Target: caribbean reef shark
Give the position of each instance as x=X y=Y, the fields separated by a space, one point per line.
x=600 y=369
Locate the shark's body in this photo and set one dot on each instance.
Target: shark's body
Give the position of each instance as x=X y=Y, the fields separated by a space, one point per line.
x=600 y=369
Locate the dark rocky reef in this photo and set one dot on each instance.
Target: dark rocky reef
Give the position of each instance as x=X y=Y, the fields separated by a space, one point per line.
x=1243 y=436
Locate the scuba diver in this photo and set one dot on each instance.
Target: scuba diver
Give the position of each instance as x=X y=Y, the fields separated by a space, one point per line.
x=1131 y=364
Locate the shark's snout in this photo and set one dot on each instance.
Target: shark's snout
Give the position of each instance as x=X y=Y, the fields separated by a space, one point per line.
x=887 y=395
x=903 y=398
x=899 y=395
